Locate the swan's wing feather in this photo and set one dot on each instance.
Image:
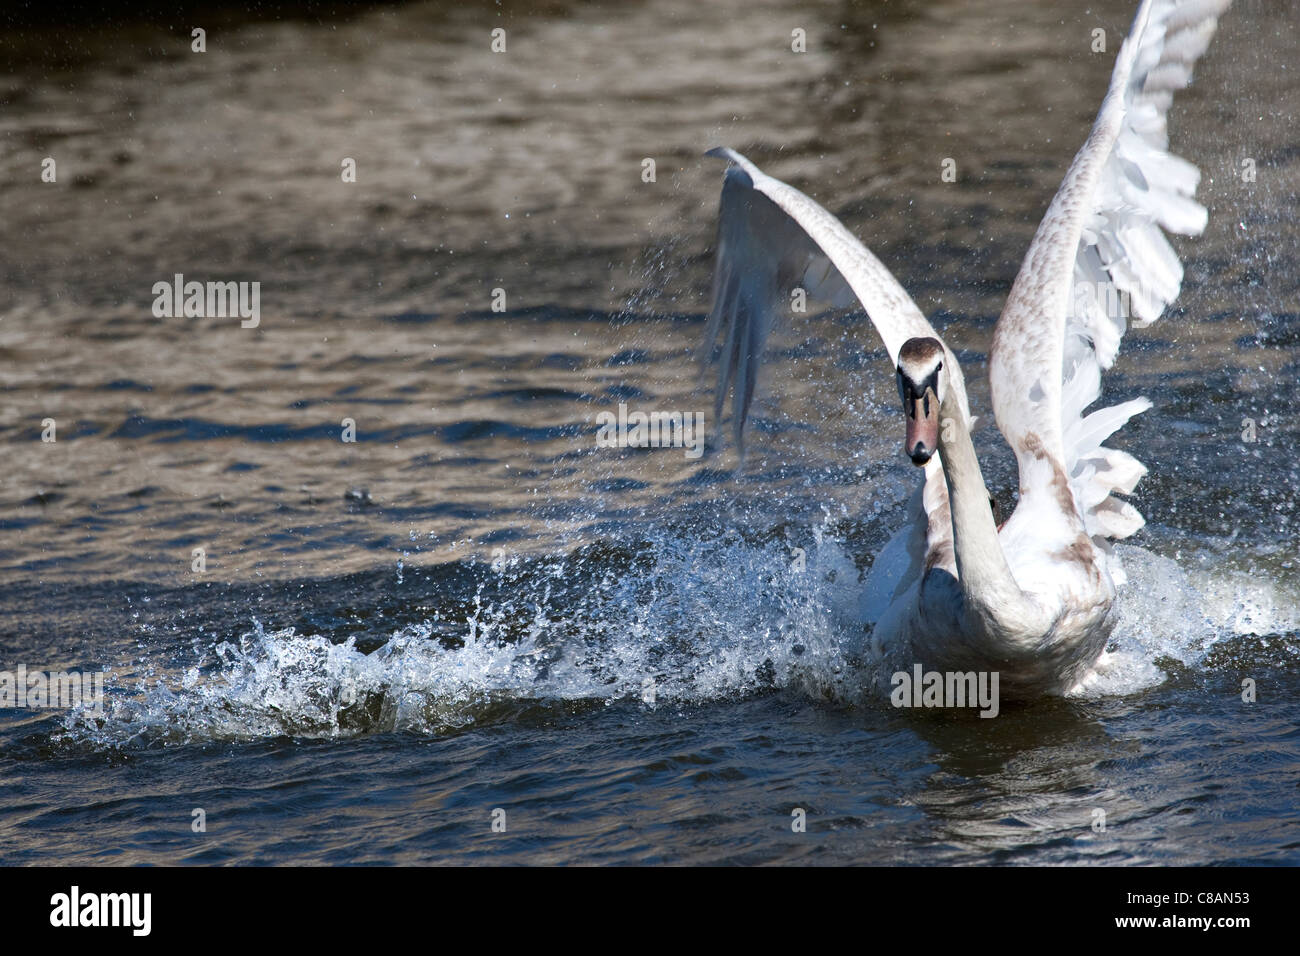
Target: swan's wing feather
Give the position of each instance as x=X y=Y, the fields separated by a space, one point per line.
x=1098 y=263
x=773 y=239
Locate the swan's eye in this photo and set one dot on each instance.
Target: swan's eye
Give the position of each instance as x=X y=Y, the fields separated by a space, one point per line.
x=939 y=366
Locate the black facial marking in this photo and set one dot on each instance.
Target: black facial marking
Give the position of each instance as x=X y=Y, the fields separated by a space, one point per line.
x=914 y=390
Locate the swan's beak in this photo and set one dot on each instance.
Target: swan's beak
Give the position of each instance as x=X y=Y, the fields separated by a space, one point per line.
x=922 y=439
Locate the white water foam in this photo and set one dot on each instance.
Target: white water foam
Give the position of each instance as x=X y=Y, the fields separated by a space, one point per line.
x=704 y=622
x=1168 y=612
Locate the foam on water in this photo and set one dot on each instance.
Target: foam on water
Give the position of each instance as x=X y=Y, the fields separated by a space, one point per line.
x=677 y=622
x=1166 y=612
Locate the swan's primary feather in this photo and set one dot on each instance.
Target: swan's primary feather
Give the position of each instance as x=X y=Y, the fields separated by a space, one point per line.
x=1098 y=263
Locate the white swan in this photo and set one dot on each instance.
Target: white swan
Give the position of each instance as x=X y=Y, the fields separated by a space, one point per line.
x=1033 y=600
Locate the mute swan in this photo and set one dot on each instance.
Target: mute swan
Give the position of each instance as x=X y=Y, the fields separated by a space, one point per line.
x=1033 y=600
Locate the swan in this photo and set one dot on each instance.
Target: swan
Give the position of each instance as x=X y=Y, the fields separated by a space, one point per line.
x=1033 y=600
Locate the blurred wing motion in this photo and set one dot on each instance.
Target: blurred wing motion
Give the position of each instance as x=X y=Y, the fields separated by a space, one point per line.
x=773 y=239
x=1098 y=262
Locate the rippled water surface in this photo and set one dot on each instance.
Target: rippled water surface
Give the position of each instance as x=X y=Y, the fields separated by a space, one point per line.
x=460 y=611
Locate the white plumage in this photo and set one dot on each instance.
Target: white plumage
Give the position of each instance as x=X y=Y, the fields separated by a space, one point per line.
x=1034 y=598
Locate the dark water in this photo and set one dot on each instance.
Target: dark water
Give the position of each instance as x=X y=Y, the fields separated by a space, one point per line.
x=459 y=612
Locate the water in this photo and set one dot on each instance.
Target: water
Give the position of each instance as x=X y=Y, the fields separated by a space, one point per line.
x=639 y=657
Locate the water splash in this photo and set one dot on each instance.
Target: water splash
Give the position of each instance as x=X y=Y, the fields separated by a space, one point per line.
x=672 y=621
x=1169 y=613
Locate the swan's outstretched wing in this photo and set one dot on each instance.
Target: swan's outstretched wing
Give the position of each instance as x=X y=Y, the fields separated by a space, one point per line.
x=1099 y=261
x=773 y=239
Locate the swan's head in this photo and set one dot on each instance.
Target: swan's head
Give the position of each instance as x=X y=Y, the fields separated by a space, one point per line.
x=921 y=385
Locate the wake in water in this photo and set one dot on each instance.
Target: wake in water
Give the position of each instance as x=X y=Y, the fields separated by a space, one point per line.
x=673 y=622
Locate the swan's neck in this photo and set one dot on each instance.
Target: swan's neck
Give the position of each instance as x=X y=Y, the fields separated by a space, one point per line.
x=985 y=578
